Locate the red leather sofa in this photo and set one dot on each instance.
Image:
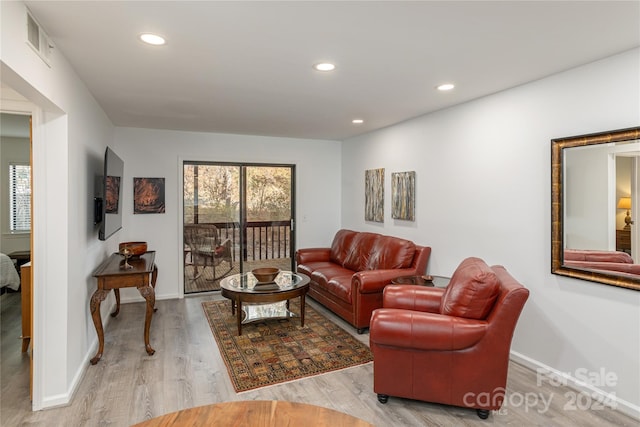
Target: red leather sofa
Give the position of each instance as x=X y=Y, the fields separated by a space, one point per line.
x=348 y=278
x=602 y=261
x=449 y=345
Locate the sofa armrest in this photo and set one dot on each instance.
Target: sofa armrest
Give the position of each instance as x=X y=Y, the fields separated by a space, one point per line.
x=374 y=281
x=424 y=331
x=413 y=297
x=307 y=255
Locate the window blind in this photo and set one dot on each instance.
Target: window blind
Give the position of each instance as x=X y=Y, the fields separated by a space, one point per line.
x=20 y=197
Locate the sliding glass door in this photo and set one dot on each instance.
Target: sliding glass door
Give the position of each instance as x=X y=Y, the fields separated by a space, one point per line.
x=236 y=217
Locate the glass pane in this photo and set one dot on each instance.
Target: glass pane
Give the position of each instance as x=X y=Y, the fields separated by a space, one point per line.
x=250 y=208
x=211 y=197
x=268 y=238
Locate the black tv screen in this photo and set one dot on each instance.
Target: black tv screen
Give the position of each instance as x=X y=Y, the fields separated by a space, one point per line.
x=112 y=194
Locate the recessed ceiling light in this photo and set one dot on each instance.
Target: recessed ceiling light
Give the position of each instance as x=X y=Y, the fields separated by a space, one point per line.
x=153 y=39
x=324 y=66
x=446 y=86
x=357 y=121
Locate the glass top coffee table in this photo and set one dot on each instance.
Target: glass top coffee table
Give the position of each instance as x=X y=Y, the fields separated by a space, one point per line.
x=252 y=301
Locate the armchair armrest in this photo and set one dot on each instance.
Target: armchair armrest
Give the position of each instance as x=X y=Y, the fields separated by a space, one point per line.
x=307 y=255
x=424 y=331
x=373 y=281
x=413 y=297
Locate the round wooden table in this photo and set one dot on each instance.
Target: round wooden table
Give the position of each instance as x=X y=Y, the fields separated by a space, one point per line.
x=256 y=413
x=245 y=288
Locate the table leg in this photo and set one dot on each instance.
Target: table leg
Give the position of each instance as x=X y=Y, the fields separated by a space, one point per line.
x=239 y=316
x=94 y=305
x=117 y=310
x=149 y=295
x=302 y=310
x=154 y=277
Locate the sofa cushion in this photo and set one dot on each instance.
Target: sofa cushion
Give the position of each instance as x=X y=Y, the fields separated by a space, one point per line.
x=597 y=256
x=341 y=246
x=390 y=252
x=360 y=251
x=309 y=267
x=340 y=286
x=472 y=291
x=323 y=274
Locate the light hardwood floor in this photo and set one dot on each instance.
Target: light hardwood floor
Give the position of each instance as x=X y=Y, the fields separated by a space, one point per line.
x=127 y=386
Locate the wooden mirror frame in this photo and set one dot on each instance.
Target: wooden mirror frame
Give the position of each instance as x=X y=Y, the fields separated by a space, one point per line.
x=557 y=207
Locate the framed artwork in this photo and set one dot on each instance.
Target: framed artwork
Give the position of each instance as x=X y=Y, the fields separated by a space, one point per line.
x=374 y=195
x=403 y=194
x=148 y=195
x=112 y=194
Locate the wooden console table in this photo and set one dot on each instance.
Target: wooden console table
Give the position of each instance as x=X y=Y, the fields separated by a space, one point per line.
x=111 y=274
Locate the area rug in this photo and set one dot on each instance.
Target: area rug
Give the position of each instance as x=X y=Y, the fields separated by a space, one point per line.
x=280 y=350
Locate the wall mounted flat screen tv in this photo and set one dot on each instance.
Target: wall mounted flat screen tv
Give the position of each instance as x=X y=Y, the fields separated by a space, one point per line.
x=111 y=206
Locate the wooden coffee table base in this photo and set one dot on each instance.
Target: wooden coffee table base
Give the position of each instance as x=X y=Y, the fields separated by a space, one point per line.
x=237 y=298
x=256 y=413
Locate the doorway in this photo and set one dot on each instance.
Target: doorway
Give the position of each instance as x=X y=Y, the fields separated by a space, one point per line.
x=627 y=193
x=17 y=229
x=236 y=217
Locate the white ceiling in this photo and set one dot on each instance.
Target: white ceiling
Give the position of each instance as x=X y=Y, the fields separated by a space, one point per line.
x=246 y=67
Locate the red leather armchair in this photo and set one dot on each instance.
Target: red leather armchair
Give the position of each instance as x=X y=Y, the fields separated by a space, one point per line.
x=449 y=345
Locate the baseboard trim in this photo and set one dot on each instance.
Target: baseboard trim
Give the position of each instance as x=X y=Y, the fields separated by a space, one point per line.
x=617 y=403
x=65 y=399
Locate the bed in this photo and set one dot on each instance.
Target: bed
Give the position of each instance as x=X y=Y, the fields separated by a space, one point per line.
x=8 y=274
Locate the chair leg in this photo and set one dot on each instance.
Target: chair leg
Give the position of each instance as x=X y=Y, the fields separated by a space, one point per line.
x=483 y=413
x=383 y=398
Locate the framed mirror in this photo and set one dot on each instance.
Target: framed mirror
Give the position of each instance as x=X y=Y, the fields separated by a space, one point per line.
x=594 y=199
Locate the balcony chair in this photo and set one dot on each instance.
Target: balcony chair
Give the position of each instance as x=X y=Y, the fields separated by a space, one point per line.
x=448 y=345
x=204 y=246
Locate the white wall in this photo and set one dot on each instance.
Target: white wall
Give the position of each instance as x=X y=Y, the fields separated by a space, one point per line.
x=157 y=154
x=586 y=196
x=12 y=150
x=70 y=133
x=483 y=189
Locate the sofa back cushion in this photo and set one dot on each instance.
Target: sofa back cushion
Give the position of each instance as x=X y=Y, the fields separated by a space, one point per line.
x=390 y=252
x=341 y=246
x=360 y=251
x=597 y=256
x=472 y=291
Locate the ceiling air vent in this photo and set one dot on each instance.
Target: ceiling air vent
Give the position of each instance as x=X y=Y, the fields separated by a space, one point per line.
x=38 y=39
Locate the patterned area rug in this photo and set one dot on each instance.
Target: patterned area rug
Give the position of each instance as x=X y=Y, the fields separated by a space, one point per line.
x=279 y=350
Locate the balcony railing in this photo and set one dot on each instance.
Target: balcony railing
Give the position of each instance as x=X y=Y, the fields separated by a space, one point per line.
x=264 y=239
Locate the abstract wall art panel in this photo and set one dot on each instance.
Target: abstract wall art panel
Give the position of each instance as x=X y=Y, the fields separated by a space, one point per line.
x=374 y=195
x=403 y=193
